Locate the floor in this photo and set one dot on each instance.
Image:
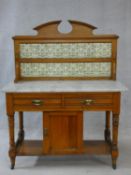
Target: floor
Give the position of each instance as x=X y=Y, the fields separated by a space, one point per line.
x=61 y=165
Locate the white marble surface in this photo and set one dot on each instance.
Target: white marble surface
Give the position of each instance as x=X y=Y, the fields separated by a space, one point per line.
x=65 y=86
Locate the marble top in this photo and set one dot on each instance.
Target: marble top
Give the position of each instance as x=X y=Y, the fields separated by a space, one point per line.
x=66 y=86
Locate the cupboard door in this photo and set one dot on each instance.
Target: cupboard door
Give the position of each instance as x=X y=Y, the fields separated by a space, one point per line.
x=63 y=132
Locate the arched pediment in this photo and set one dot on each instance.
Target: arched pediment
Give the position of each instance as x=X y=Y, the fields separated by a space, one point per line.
x=50 y=29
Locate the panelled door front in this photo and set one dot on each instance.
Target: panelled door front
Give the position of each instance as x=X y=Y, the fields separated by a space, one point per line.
x=63 y=132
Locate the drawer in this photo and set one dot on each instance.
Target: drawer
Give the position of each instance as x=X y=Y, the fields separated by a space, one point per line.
x=36 y=101
x=63 y=101
x=89 y=101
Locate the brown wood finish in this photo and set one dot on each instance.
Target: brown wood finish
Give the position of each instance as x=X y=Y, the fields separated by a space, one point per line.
x=63 y=123
x=63 y=101
x=63 y=112
x=35 y=148
x=50 y=30
x=48 y=33
x=64 y=132
x=30 y=148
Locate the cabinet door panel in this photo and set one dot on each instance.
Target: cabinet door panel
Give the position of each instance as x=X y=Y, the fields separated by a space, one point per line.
x=65 y=130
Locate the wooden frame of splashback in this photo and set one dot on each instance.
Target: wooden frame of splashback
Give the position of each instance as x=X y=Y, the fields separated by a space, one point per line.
x=81 y=33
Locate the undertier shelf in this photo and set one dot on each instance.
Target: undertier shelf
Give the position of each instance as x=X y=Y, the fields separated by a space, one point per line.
x=36 y=147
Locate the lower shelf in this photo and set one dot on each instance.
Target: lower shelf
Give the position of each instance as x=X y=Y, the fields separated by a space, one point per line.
x=30 y=148
x=97 y=147
x=35 y=148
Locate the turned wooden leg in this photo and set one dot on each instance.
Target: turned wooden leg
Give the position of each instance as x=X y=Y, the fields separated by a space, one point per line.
x=12 y=149
x=21 y=128
x=107 y=127
x=115 y=152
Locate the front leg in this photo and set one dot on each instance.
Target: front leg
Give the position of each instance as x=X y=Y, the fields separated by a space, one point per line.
x=12 y=149
x=115 y=152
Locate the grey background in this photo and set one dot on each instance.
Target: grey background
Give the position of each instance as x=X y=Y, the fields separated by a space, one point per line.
x=18 y=17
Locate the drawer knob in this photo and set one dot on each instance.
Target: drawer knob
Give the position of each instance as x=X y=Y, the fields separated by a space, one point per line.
x=37 y=102
x=88 y=102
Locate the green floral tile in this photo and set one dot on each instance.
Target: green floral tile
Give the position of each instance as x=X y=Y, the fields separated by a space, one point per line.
x=66 y=50
x=66 y=69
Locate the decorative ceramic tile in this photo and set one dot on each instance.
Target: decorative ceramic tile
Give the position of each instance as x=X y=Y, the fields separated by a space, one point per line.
x=66 y=50
x=66 y=69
